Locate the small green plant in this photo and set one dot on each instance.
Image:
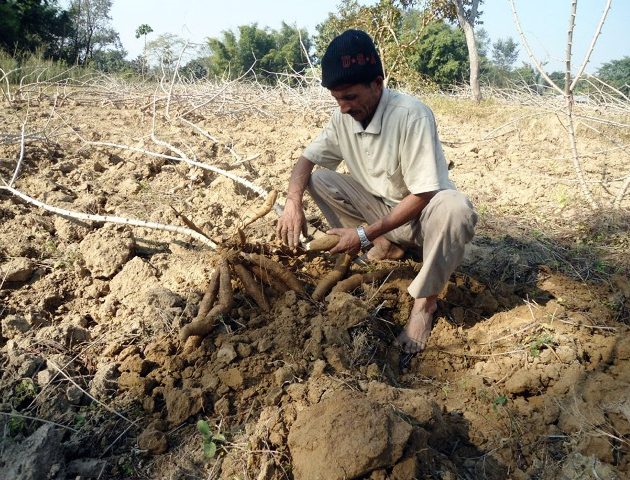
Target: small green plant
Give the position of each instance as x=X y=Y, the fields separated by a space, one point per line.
x=17 y=425
x=23 y=391
x=537 y=343
x=127 y=468
x=211 y=441
x=500 y=401
x=79 y=420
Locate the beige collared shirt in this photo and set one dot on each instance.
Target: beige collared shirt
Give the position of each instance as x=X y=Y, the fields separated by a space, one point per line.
x=397 y=154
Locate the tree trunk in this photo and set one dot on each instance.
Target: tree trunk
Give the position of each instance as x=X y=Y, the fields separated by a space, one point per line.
x=473 y=58
x=466 y=22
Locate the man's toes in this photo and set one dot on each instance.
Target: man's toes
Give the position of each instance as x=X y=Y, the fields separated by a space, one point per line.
x=408 y=344
x=413 y=346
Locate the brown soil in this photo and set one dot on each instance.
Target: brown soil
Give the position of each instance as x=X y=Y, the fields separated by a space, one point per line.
x=526 y=374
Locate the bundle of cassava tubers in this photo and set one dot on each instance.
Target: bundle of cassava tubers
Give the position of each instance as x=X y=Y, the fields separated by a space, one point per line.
x=255 y=271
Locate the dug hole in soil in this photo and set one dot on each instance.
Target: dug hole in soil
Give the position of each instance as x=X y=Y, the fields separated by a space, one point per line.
x=526 y=374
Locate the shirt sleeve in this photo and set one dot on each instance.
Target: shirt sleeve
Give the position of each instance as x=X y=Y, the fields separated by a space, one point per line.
x=424 y=167
x=325 y=150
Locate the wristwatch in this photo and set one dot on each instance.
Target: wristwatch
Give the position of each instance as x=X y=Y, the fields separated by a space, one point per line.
x=365 y=241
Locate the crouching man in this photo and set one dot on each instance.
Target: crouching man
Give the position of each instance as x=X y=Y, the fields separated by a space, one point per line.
x=397 y=195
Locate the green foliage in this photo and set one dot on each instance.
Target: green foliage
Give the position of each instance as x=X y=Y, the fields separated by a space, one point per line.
x=504 y=53
x=36 y=67
x=616 y=73
x=27 y=26
x=24 y=391
x=442 y=54
x=558 y=78
x=537 y=343
x=91 y=30
x=211 y=441
x=17 y=425
x=196 y=69
x=110 y=61
x=143 y=30
x=500 y=401
x=257 y=52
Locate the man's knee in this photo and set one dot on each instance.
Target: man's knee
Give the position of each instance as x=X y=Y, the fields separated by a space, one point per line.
x=455 y=209
x=321 y=179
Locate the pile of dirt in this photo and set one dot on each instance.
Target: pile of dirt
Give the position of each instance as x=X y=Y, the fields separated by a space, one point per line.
x=525 y=374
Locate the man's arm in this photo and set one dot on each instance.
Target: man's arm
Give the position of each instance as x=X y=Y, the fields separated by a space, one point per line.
x=293 y=221
x=409 y=208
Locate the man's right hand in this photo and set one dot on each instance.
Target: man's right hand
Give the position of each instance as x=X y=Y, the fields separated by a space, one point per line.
x=292 y=223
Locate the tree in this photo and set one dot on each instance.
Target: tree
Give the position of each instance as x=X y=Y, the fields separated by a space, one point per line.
x=165 y=50
x=467 y=15
x=30 y=25
x=110 y=61
x=142 y=31
x=504 y=53
x=442 y=54
x=616 y=73
x=92 y=31
x=259 y=52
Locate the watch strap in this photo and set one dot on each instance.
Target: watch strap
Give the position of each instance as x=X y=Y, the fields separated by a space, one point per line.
x=365 y=241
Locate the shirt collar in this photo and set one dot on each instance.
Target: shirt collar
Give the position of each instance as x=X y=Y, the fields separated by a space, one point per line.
x=376 y=123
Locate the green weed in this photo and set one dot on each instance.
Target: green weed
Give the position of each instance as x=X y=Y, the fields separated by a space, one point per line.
x=23 y=391
x=17 y=425
x=211 y=441
x=535 y=346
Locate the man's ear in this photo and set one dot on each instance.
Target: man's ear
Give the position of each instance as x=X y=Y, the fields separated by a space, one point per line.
x=379 y=81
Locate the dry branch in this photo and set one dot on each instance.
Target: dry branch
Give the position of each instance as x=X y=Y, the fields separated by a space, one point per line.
x=111 y=219
x=568 y=92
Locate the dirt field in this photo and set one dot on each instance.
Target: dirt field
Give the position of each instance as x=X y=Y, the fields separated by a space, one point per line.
x=526 y=375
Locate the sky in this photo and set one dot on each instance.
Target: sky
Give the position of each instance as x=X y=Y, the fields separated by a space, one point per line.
x=544 y=22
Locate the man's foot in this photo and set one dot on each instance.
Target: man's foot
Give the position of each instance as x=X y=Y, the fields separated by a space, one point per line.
x=418 y=329
x=383 y=249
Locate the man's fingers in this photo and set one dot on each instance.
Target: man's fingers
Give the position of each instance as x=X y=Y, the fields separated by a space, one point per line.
x=296 y=238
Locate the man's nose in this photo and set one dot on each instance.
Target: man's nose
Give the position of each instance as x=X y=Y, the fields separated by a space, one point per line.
x=344 y=106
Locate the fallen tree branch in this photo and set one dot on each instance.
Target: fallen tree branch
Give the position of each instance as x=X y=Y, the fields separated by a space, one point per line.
x=111 y=219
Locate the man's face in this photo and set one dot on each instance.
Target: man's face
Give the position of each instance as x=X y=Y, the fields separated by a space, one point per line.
x=359 y=100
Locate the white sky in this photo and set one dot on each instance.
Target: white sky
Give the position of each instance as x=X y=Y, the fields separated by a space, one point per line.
x=544 y=22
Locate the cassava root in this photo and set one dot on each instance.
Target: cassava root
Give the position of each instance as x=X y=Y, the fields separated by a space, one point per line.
x=323 y=243
x=331 y=278
x=202 y=327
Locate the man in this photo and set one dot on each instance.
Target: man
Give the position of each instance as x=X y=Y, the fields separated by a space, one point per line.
x=397 y=195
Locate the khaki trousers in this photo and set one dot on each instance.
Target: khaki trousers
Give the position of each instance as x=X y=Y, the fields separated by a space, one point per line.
x=443 y=229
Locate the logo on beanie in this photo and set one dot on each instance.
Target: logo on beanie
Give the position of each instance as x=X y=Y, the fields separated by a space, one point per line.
x=360 y=59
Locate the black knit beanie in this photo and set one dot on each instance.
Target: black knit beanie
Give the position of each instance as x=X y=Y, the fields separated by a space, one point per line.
x=350 y=58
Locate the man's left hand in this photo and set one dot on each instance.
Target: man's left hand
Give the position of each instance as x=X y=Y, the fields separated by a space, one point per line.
x=348 y=240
